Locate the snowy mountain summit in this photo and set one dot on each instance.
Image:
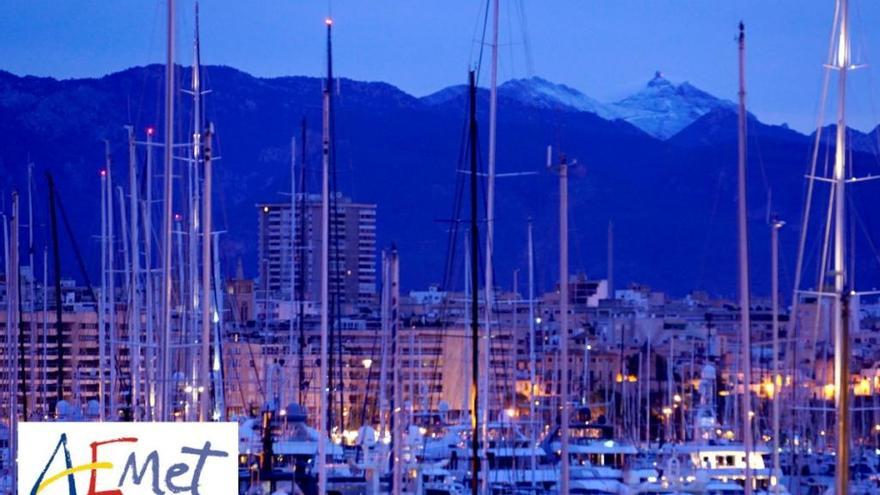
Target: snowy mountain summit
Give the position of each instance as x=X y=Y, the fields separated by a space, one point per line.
x=542 y=93
x=663 y=108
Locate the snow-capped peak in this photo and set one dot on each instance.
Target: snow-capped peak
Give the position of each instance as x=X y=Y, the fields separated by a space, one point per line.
x=542 y=93
x=663 y=108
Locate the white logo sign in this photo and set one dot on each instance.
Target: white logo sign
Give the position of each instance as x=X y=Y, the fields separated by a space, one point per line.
x=127 y=458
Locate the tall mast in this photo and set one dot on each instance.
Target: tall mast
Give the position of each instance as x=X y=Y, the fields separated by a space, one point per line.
x=744 y=298
x=200 y=380
x=291 y=338
x=59 y=309
x=102 y=304
x=840 y=323
x=135 y=312
x=490 y=238
x=302 y=270
x=32 y=304
x=207 y=266
x=777 y=379
x=217 y=368
x=19 y=308
x=127 y=289
x=466 y=314
x=383 y=364
x=475 y=281
x=563 y=320
x=335 y=336
x=397 y=401
x=167 y=220
x=12 y=288
x=111 y=290
x=323 y=426
x=150 y=349
x=532 y=420
x=177 y=377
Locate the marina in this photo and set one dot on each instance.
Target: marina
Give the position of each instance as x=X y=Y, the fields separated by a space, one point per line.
x=345 y=378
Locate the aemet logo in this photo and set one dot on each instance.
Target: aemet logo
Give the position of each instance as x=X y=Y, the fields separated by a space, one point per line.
x=127 y=458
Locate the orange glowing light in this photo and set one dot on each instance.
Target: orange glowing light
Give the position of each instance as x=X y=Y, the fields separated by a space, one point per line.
x=862 y=388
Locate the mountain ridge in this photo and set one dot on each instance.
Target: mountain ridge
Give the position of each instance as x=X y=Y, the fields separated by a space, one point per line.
x=671 y=200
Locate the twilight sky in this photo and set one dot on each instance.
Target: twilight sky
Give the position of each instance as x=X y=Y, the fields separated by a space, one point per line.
x=607 y=49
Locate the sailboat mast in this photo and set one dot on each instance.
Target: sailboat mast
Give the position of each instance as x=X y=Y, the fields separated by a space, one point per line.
x=291 y=338
x=474 y=283
x=207 y=266
x=533 y=444
x=383 y=364
x=102 y=304
x=840 y=323
x=777 y=379
x=199 y=366
x=32 y=304
x=744 y=298
x=323 y=425
x=127 y=289
x=135 y=318
x=490 y=239
x=168 y=199
x=150 y=349
x=12 y=327
x=397 y=401
x=302 y=269
x=56 y=262
x=563 y=322
x=13 y=285
x=111 y=290
x=217 y=367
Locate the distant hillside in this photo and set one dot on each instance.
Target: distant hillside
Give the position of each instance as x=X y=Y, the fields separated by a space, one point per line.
x=671 y=198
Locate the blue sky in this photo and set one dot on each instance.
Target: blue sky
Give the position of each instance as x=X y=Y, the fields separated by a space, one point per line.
x=607 y=49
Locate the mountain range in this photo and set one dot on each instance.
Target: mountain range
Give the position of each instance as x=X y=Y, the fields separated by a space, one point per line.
x=660 y=109
x=660 y=164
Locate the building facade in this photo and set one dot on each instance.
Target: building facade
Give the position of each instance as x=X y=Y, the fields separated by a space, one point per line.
x=352 y=250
